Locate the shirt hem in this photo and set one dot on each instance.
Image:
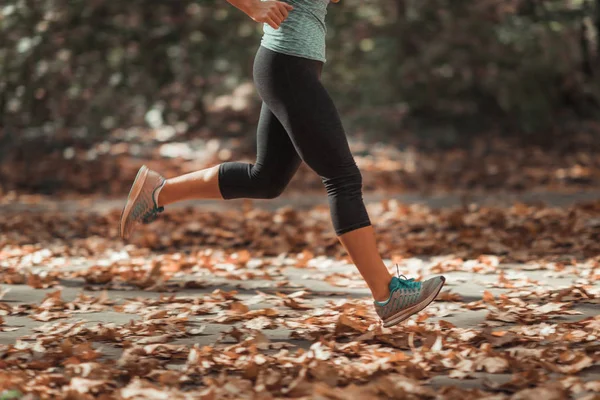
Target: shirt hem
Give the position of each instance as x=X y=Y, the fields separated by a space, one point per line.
x=292 y=53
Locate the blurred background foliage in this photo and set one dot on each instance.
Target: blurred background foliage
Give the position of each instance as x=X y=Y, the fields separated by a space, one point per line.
x=86 y=71
x=85 y=67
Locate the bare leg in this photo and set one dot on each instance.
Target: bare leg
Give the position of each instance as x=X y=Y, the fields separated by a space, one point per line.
x=291 y=88
x=275 y=165
x=203 y=184
x=361 y=245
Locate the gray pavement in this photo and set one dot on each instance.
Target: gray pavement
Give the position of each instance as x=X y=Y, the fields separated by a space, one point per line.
x=470 y=286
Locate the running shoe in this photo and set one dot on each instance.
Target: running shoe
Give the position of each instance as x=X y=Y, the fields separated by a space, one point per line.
x=142 y=202
x=407 y=297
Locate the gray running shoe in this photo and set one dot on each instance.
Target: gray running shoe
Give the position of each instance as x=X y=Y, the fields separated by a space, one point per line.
x=407 y=297
x=141 y=203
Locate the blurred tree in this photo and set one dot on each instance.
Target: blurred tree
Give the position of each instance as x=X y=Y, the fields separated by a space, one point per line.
x=76 y=70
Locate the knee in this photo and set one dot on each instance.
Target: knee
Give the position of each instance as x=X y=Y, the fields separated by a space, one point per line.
x=348 y=184
x=271 y=190
x=268 y=185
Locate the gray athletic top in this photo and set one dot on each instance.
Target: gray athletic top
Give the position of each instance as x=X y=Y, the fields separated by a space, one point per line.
x=302 y=33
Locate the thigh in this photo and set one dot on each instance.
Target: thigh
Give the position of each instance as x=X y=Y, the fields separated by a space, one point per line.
x=291 y=88
x=275 y=152
x=316 y=129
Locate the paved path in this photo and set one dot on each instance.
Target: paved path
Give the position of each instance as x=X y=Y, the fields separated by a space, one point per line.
x=469 y=286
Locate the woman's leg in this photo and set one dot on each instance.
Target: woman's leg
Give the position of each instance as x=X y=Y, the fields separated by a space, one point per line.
x=362 y=248
x=276 y=163
x=291 y=88
x=203 y=184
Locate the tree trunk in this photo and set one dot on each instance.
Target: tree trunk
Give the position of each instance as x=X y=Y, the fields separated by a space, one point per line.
x=399 y=31
x=597 y=25
x=584 y=44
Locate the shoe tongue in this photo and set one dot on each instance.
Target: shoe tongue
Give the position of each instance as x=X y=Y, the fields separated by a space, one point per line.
x=394 y=283
x=399 y=283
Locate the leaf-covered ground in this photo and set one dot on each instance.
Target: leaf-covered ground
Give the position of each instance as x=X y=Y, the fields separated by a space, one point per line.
x=246 y=303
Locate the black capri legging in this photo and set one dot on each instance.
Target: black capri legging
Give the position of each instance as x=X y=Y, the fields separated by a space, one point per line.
x=298 y=122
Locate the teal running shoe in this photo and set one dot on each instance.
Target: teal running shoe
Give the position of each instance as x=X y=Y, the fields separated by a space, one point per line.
x=407 y=297
x=142 y=202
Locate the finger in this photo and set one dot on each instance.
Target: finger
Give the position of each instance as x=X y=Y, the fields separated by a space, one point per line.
x=275 y=17
x=283 y=11
x=288 y=6
x=272 y=23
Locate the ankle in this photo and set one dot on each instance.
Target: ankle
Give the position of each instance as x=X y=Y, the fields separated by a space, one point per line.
x=160 y=197
x=382 y=294
x=381 y=289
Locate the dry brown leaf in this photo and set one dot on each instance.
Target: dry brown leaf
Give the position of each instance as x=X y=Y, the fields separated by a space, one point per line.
x=488 y=297
x=447 y=295
x=548 y=392
x=158 y=314
x=494 y=365
x=154 y=339
x=83 y=385
x=239 y=307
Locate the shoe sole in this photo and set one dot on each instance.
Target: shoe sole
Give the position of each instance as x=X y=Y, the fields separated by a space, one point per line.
x=405 y=314
x=134 y=193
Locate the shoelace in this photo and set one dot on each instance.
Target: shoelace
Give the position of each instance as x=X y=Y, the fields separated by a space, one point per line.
x=152 y=215
x=403 y=282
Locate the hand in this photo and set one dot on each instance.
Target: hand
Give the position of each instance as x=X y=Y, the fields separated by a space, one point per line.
x=335 y=1
x=271 y=12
